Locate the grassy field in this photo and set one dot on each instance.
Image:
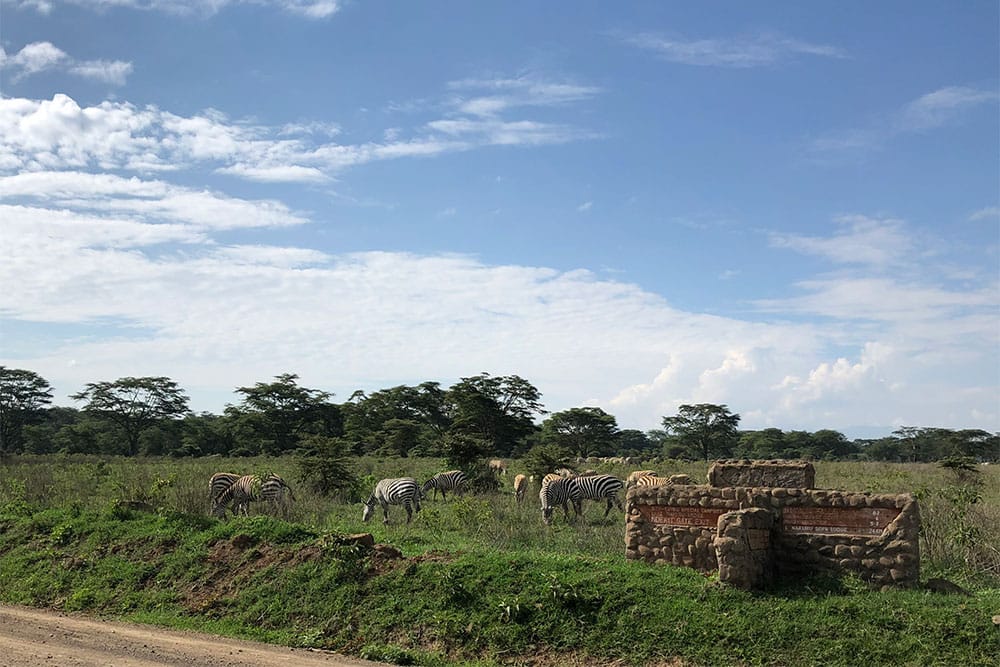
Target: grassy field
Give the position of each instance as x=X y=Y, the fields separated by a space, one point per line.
x=482 y=581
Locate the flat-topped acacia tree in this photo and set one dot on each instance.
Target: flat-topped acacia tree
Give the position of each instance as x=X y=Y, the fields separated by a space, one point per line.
x=134 y=404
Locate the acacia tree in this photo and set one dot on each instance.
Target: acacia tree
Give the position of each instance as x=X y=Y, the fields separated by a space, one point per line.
x=498 y=410
x=278 y=413
x=705 y=428
x=134 y=404
x=24 y=396
x=583 y=431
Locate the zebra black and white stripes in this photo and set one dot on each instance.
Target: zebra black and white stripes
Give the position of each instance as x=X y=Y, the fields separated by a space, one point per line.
x=599 y=487
x=396 y=491
x=452 y=480
x=245 y=490
x=558 y=491
x=218 y=484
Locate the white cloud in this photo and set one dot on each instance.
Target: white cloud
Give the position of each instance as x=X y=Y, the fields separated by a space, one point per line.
x=58 y=134
x=942 y=106
x=936 y=109
x=41 y=56
x=754 y=51
x=876 y=242
x=312 y=9
x=205 y=312
x=988 y=213
x=109 y=71
x=585 y=206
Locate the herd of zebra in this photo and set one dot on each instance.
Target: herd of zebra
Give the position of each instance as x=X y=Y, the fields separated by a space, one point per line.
x=559 y=489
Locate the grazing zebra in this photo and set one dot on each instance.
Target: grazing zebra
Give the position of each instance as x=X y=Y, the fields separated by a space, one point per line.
x=650 y=480
x=399 y=491
x=632 y=476
x=598 y=487
x=452 y=480
x=556 y=491
x=219 y=482
x=251 y=488
x=520 y=486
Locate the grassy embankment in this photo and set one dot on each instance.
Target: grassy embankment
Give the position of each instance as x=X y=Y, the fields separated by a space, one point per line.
x=482 y=581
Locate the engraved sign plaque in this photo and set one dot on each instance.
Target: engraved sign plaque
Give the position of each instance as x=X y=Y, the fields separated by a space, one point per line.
x=707 y=517
x=837 y=520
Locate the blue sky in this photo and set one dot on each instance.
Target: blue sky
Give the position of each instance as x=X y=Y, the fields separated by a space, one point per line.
x=788 y=208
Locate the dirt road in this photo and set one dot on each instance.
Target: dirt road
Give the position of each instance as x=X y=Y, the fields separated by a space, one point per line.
x=38 y=638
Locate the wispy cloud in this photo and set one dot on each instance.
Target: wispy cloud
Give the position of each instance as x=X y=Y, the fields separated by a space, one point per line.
x=874 y=242
x=988 y=213
x=940 y=108
x=42 y=56
x=752 y=51
x=311 y=9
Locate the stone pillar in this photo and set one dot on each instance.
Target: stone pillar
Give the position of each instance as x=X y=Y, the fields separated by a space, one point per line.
x=743 y=548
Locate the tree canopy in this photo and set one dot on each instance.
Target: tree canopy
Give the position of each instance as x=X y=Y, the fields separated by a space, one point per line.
x=134 y=404
x=24 y=396
x=705 y=429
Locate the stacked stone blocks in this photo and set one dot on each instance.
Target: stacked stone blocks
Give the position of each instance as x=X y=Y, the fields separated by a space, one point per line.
x=749 y=534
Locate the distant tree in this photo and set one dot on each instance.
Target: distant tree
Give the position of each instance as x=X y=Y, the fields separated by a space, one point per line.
x=829 y=445
x=277 y=414
x=207 y=434
x=633 y=442
x=43 y=437
x=881 y=449
x=543 y=459
x=499 y=410
x=134 y=404
x=399 y=436
x=24 y=396
x=764 y=444
x=583 y=431
x=707 y=429
x=366 y=416
x=469 y=454
x=324 y=465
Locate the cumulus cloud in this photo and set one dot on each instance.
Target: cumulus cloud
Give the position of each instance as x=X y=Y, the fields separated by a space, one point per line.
x=41 y=56
x=46 y=135
x=752 y=51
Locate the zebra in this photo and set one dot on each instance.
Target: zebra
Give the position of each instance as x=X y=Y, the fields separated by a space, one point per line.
x=398 y=491
x=219 y=482
x=251 y=488
x=520 y=486
x=598 y=487
x=555 y=491
x=653 y=480
x=445 y=481
x=636 y=474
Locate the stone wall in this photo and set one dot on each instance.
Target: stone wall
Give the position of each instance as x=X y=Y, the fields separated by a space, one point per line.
x=776 y=473
x=811 y=531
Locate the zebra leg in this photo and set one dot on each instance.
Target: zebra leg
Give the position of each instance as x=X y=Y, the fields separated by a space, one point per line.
x=409 y=512
x=385 y=512
x=608 y=510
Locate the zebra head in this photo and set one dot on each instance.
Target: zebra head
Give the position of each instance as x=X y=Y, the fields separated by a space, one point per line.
x=369 y=509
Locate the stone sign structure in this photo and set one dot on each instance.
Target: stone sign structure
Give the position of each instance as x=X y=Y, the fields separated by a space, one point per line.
x=750 y=534
x=786 y=474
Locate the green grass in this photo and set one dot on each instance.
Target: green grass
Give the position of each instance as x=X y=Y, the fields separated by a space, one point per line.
x=483 y=582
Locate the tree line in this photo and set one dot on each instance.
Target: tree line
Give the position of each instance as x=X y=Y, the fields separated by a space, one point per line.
x=479 y=416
